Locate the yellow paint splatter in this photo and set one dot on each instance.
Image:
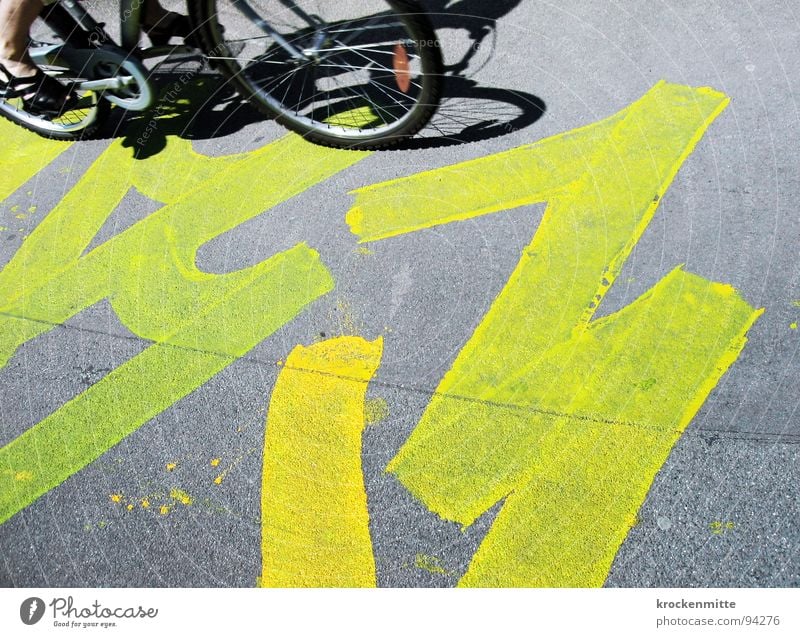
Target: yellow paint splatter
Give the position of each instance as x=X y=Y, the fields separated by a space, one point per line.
x=430 y=564
x=145 y=503
x=719 y=527
x=239 y=458
x=215 y=462
x=171 y=466
x=164 y=510
x=346 y=319
x=116 y=497
x=315 y=524
x=376 y=410
x=32 y=209
x=21 y=216
x=129 y=507
x=23 y=476
x=565 y=418
x=364 y=251
x=181 y=496
x=793 y=326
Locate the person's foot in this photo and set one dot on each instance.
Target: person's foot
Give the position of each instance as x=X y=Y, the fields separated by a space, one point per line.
x=166 y=25
x=40 y=93
x=18 y=68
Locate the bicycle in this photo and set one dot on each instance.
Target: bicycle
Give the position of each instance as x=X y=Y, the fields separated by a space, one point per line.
x=359 y=74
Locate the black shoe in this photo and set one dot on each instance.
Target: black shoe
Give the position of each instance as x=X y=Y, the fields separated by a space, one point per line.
x=40 y=93
x=173 y=25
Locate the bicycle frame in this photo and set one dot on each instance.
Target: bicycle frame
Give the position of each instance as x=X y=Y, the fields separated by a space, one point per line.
x=104 y=66
x=117 y=70
x=131 y=12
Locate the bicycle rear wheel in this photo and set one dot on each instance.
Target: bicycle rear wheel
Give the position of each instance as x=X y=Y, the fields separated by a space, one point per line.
x=352 y=73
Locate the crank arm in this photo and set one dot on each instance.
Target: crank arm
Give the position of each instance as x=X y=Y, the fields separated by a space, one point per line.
x=110 y=84
x=106 y=68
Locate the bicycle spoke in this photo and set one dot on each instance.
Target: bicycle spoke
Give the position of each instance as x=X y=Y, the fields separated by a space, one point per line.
x=358 y=78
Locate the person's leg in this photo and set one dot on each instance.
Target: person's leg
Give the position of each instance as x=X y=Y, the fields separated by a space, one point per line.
x=162 y=25
x=19 y=76
x=153 y=13
x=16 y=18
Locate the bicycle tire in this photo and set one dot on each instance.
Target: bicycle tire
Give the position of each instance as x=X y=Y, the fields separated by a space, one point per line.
x=382 y=104
x=77 y=123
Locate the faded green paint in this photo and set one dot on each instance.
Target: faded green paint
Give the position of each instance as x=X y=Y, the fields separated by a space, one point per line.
x=199 y=322
x=22 y=156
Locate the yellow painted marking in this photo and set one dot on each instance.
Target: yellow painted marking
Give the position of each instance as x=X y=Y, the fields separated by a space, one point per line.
x=565 y=418
x=718 y=527
x=171 y=466
x=199 y=322
x=376 y=410
x=164 y=509
x=145 y=503
x=589 y=468
x=355 y=118
x=116 y=497
x=430 y=563
x=232 y=465
x=793 y=326
x=215 y=462
x=23 y=476
x=181 y=496
x=315 y=525
x=346 y=318
x=528 y=174
x=23 y=155
x=129 y=507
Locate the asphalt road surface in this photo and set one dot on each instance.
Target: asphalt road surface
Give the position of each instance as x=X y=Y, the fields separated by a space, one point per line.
x=193 y=494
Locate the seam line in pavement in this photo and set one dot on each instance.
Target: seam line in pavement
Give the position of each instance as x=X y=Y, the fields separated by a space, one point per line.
x=753 y=436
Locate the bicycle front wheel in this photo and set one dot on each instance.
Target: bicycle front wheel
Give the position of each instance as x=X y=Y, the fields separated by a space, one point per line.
x=87 y=116
x=354 y=73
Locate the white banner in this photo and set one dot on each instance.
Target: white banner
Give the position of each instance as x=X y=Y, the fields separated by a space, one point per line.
x=399 y=612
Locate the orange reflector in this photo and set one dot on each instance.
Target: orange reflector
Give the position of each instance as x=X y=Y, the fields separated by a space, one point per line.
x=402 y=72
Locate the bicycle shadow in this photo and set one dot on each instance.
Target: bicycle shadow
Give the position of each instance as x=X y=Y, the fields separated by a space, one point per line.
x=469 y=111
x=477 y=17
x=204 y=106
x=192 y=105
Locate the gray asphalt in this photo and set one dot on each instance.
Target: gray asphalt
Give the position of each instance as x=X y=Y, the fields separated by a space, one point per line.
x=730 y=216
